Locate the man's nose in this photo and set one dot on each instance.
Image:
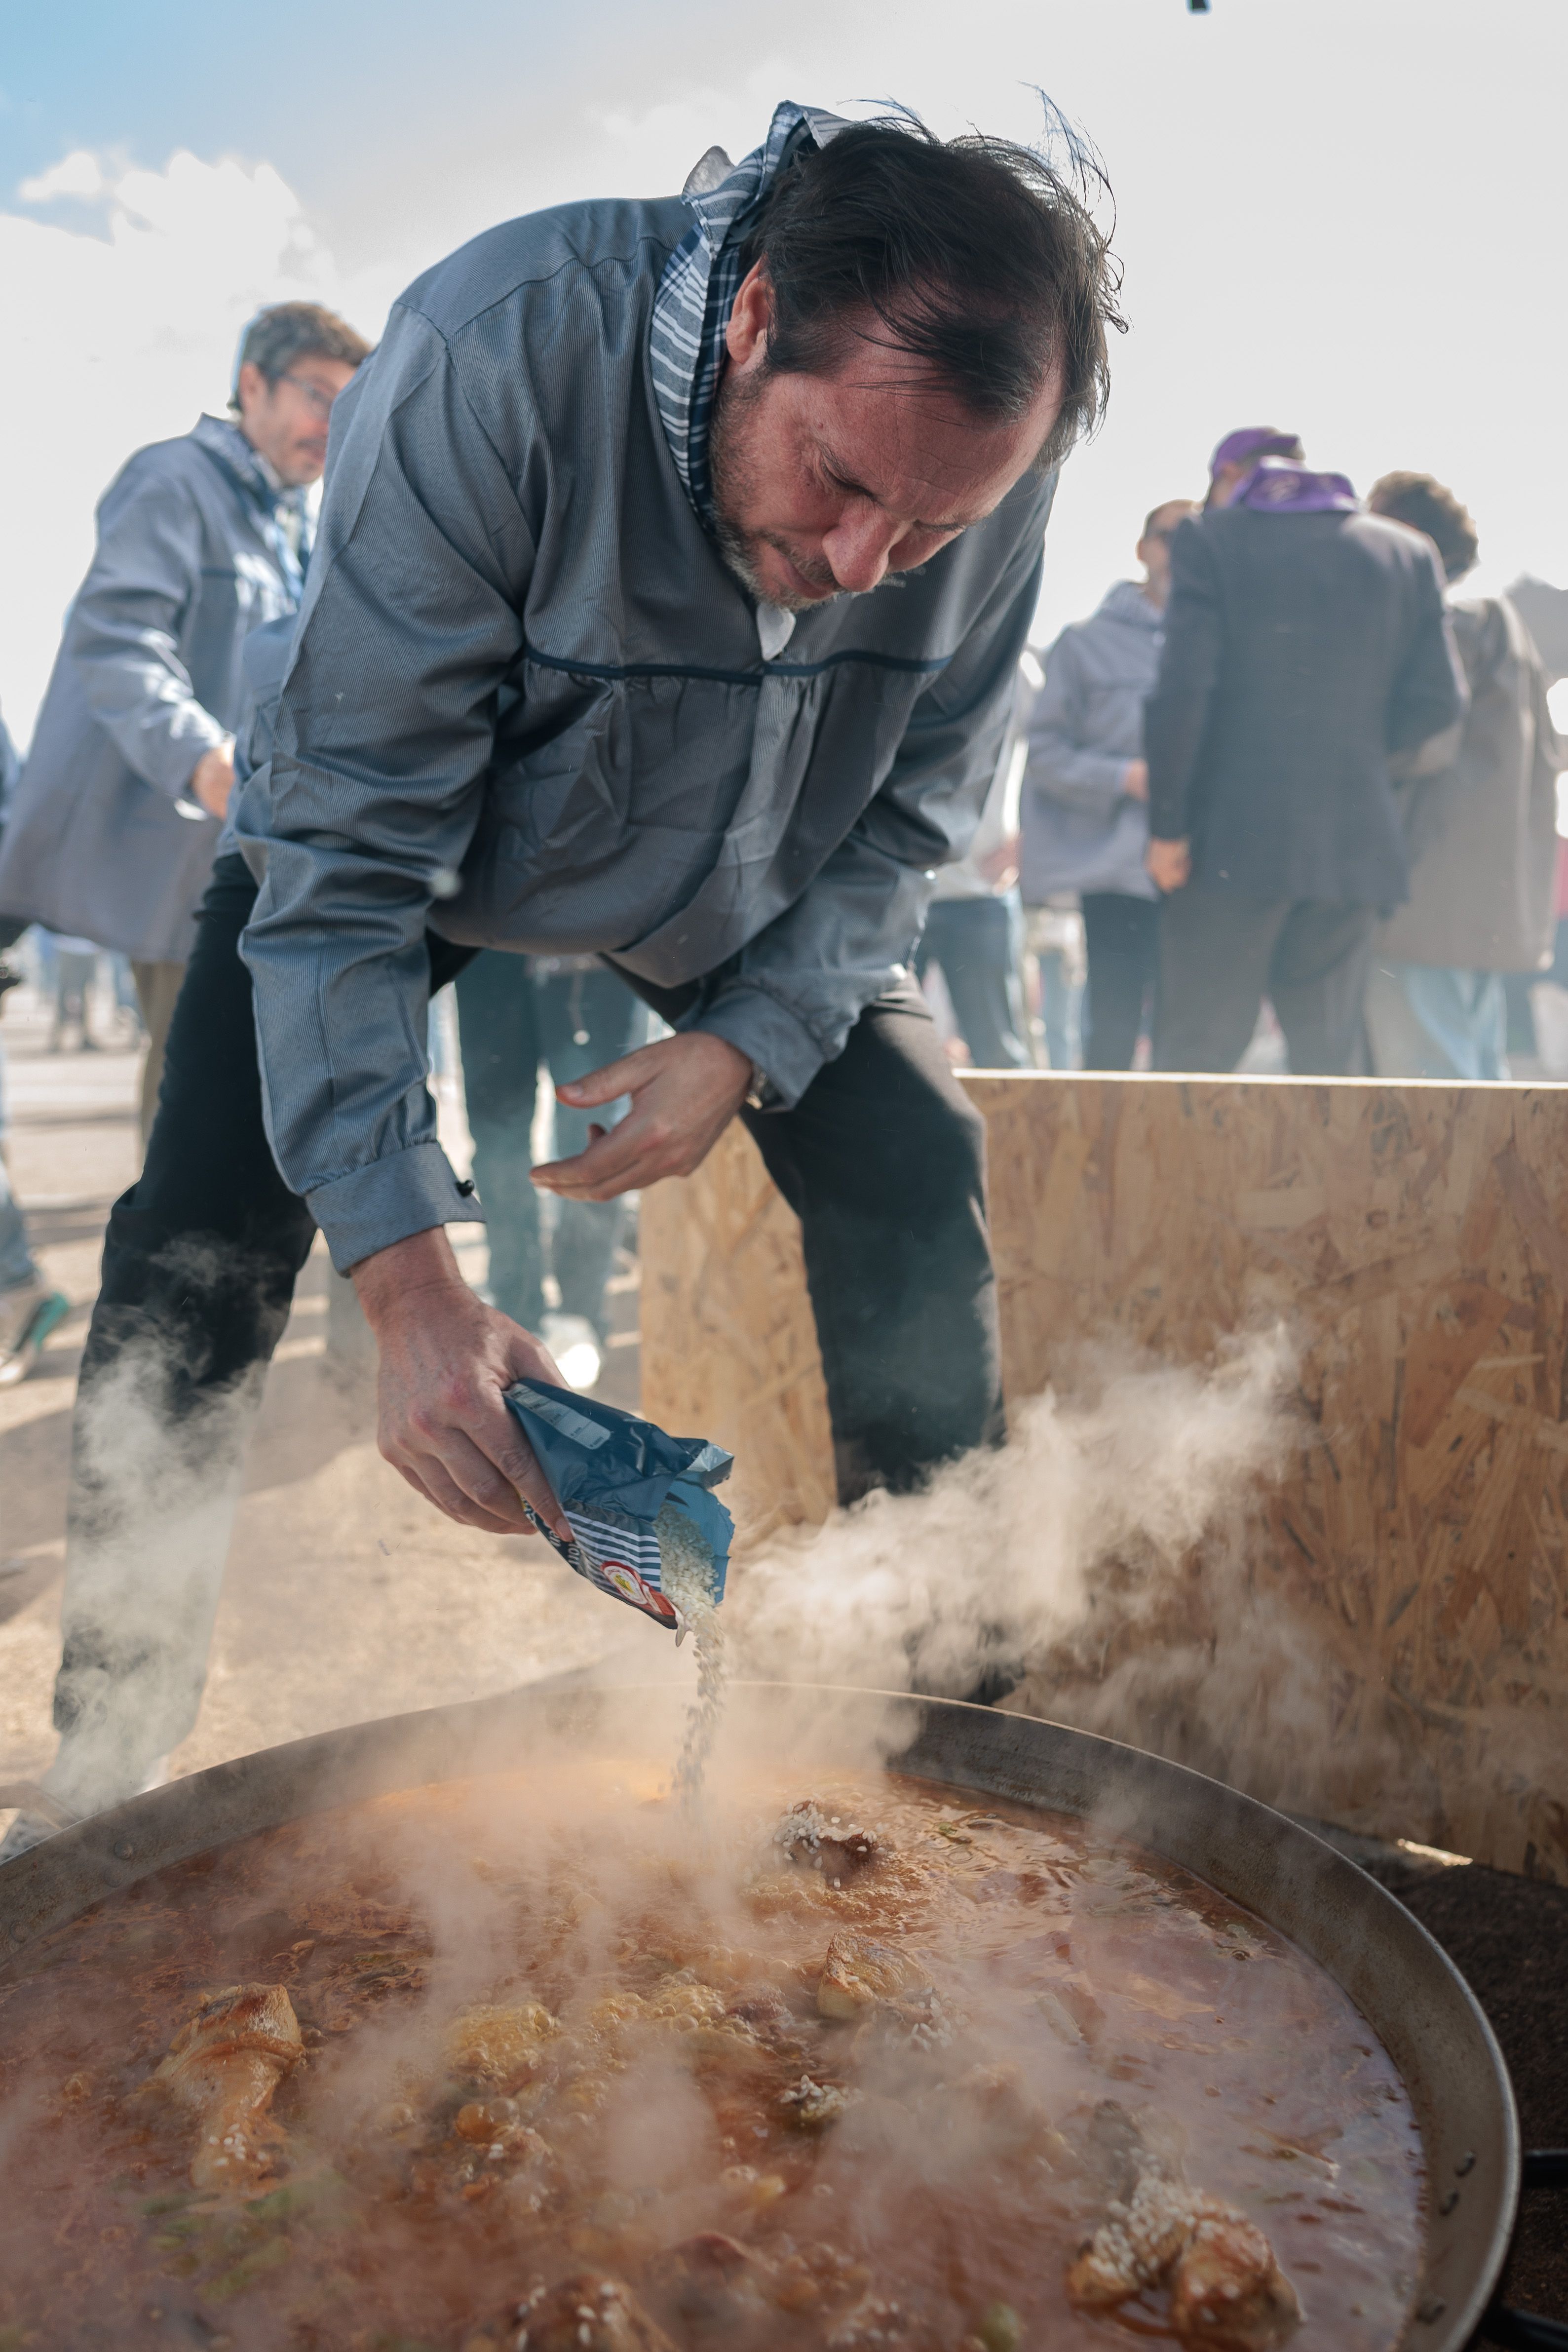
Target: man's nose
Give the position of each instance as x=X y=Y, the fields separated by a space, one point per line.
x=859 y=546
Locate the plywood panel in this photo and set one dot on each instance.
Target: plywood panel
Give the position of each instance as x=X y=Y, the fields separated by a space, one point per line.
x=1409 y=1236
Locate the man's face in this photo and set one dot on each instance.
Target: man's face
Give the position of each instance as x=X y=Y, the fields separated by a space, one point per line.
x=1155 y=547
x=824 y=483
x=286 y=420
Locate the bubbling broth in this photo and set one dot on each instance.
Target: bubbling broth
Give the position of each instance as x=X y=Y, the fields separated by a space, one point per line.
x=550 y=2061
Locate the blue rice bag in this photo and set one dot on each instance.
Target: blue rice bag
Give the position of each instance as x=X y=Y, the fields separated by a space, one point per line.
x=636 y=1500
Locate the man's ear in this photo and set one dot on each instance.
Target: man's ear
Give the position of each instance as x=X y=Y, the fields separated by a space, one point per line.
x=251 y=388
x=745 y=336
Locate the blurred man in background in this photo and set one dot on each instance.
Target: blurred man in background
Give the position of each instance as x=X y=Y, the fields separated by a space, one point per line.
x=974 y=935
x=1086 y=791
x=519 y=1014
x=1481 y=835
x=1306 y=643
x=29 y=1308
x=199 y=541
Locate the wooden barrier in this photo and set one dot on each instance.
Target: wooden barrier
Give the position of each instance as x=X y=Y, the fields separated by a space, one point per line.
x=1410 y=1237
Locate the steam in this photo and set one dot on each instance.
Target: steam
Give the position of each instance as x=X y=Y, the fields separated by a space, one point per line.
x=1063 y=1544
x=156 y=1475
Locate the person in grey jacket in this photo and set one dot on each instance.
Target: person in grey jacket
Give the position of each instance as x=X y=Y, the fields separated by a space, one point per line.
x=1482 y=832
x=199 y=540
x=673 y=567
x=1086 y=791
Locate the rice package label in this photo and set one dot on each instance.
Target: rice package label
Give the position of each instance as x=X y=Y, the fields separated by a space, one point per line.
x=646 y=1529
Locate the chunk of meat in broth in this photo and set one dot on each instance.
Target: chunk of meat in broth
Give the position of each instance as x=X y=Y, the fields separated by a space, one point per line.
x=588 y=2313
x=813 y=1839
x=224 y=2066
x=1227 y=2293
x=859 y=1975
x=712 y=2283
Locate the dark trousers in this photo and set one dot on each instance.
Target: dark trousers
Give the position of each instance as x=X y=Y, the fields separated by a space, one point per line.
x=977 y=943
x=881 y=1160
x=1121 y=939
x=1221 y=953
x=513 y=1018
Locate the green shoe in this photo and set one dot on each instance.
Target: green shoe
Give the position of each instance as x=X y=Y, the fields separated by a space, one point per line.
x=27 y=1316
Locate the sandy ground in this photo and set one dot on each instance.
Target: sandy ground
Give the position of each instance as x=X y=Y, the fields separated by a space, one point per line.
x=346 y=1597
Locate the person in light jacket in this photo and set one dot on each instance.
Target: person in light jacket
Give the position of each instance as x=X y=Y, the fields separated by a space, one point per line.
x=675 y=561
x=200 y=540
x=1481 y=834
x=1086 y=791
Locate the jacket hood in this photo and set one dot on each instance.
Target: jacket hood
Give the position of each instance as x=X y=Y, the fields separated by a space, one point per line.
x=1126 y=602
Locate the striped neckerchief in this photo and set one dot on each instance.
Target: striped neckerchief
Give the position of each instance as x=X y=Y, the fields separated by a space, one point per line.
x=701 y=279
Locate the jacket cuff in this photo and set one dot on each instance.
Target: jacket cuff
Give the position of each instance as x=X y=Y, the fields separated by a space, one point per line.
x=407 y=1192
x=780 y=1045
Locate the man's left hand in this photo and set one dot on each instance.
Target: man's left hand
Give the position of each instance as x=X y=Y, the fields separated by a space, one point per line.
x=1169 y=864
x=685 y=1091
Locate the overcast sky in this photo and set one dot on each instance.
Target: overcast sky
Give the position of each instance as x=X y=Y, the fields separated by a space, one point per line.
x=1345 y=216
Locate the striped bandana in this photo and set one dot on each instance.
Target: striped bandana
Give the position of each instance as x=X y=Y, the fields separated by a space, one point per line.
x=701 y=279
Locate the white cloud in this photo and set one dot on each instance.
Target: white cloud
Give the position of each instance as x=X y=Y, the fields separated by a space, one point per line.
x=80 y=173
x=118 y=336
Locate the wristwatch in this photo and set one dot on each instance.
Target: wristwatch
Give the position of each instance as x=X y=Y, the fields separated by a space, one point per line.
x=762 y=1094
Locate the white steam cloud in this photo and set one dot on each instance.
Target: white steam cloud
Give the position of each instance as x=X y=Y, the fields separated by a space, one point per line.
x=1072 y=1533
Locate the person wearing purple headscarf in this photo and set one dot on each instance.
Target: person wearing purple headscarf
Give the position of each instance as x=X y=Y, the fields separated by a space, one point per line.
x=1306 y=647
x=1238 y=453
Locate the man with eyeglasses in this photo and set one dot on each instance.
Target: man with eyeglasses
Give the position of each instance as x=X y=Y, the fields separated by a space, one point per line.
x=200 y=540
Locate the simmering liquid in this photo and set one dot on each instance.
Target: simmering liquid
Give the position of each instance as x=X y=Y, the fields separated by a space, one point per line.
x=562 y=2027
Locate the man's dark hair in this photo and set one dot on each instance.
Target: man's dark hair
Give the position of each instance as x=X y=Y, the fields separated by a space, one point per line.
x=1421 y=501
x=979 y=258
x=287 y=332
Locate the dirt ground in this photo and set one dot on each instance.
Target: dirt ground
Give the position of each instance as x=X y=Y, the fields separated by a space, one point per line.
x=345 y=1596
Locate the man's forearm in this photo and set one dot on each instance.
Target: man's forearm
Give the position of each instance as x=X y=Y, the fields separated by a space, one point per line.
x=392 y=1277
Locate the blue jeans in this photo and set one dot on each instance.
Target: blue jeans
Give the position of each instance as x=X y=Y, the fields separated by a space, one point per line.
x=513 y=1016
x=16 y=1266
x=1436 y=1020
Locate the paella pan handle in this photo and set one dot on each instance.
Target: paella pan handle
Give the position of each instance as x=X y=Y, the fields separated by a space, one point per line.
x=1522 y=2331
x=27 y=1796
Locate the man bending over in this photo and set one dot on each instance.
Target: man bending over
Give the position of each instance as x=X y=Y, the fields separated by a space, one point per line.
x=675 y=564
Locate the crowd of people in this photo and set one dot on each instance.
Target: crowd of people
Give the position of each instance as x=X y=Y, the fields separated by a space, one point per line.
x=1287 y=766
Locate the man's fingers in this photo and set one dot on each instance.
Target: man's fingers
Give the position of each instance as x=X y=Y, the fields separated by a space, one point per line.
x=438 y=1490
x=612 y=1163
x=615 y=1079
x=492 y=1462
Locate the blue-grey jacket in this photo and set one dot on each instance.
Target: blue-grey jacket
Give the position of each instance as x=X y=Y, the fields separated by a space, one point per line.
x=528 y=704
x=102 y=839
x=1080 y=831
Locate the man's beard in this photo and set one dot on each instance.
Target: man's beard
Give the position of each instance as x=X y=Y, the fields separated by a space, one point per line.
x=733 y=480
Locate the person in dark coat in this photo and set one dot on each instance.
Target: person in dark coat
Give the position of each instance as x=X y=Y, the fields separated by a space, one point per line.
x=1481 y=834
x=1306 y=646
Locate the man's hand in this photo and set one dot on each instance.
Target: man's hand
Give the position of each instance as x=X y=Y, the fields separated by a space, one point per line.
x=212 y=779
x=685 y=1091
x=446 y=1360
x=1169 y=863
x=1136 y=779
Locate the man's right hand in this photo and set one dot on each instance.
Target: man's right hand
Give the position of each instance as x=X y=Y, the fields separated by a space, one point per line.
x=213 y=780
x=1169 y=864
x=446 y=1361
